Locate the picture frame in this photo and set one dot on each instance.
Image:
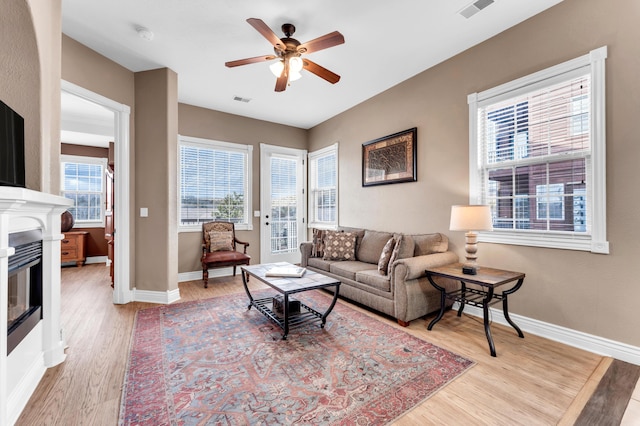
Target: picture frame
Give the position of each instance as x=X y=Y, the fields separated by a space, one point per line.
x=390 y=159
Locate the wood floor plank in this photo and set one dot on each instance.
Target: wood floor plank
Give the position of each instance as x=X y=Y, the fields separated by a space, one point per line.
x=607 y=404
x=532 y=381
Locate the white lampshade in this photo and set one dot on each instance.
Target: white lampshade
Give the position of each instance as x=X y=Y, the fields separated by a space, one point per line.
x=293 y=76
x=277 y=67
x=471 y=218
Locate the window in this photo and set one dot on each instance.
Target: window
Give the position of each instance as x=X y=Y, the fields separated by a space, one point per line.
x=214 y=182
x=323 y=187
x=537 y=156
x=83 y=182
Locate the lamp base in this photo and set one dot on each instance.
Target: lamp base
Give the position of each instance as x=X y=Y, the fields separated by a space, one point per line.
x=469 y=270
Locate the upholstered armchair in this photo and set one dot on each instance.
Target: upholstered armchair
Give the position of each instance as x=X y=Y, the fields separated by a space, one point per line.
x=219 y=248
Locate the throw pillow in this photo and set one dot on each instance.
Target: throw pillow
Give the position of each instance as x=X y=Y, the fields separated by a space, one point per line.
x=317 y=250
x=339 y=246
x=385 y=256
x=220 y=241
x=396 y=251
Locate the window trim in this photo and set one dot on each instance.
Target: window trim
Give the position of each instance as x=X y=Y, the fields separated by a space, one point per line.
x=81 y=159
x=313 y=158
x=594 y=63
x=227 y=146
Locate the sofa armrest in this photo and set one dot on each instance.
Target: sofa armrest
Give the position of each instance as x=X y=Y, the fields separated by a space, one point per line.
x=305 y=250
x=414 y=267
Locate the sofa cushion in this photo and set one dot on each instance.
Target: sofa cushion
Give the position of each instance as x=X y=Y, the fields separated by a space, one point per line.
x=374 y=279
x=316 y=262
x=371 y=246
x=349 y=268
x=407 y=246
x=385 y=256
x=339 y=246
x=430 y=243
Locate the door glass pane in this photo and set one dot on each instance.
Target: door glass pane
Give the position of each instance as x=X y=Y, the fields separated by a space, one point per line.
x=284 y=201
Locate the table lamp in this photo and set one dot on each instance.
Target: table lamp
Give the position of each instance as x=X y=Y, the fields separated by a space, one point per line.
x=471 y=219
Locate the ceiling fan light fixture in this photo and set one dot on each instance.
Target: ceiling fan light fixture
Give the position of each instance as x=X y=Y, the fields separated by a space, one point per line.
x=295 y=64
x=293 y=76
x=277 y=67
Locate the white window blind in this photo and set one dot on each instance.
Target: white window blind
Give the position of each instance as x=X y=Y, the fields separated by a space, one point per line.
x=214 y=182
x=83 y=182
x=537 y=157
x=323 y=187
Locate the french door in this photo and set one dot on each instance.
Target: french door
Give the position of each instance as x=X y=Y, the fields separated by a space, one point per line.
x=283 y=176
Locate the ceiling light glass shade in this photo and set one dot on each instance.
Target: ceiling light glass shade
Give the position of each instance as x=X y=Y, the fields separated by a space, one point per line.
x=276 y=68
x=295 y=65
x=293 y=76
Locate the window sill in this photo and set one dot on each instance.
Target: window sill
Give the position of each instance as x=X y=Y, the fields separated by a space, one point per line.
x=322 y=225
x=545 y=239
x=83 y=225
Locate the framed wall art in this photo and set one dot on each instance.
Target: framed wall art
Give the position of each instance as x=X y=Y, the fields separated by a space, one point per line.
x=390 y=159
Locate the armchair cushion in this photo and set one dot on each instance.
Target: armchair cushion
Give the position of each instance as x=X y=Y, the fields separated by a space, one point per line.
x=220 y=241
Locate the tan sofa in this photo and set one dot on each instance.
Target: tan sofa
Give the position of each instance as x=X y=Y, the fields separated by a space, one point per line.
x=400 y=290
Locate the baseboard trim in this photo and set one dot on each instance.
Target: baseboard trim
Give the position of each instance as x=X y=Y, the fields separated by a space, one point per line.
x=96 y=259
x=160 y=297
x=577 y=339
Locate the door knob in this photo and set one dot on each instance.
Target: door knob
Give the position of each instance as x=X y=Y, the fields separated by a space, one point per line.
x=266 y=223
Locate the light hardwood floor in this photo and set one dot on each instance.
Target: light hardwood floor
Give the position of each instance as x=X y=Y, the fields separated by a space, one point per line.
x=533 y=381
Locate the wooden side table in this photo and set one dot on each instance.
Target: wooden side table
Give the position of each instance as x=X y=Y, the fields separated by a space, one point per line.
x=72 y=247
x=488 y=279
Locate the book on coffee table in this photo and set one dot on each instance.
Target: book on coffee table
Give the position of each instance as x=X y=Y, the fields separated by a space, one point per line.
x=286 y=271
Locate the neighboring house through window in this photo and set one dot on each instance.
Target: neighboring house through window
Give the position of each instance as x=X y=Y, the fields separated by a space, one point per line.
x=214 y=182
x=323 y=187
x=83 y=183
x=537 y=156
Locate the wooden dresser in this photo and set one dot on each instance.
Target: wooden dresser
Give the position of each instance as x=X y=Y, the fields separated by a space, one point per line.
x=72 y=247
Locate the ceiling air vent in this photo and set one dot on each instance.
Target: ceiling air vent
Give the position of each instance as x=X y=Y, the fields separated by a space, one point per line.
x=241 y=99
x=475 y=7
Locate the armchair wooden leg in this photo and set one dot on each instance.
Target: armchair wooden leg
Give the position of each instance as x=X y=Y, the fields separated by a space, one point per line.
x=205 y=276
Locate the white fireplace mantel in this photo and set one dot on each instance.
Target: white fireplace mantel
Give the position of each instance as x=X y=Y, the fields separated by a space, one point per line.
x=22 y=210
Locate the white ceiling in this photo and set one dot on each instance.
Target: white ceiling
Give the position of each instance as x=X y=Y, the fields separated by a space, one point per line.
x=385 y=43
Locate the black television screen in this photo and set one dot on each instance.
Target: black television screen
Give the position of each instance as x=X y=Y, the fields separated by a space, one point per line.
x=12 y=171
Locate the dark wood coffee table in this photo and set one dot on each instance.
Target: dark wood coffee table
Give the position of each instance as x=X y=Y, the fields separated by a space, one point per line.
x=487 y=280
x=286 y=287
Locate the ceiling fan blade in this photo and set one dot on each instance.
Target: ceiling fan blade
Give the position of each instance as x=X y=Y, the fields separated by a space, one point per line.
x=246 y=61
x=281 y=82
x=321 y=72
x=266 y=32
x=324 y=42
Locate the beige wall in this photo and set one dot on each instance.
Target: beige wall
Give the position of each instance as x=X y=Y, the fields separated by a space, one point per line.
x=20 y=79
x=593 y=293
x=215 y=125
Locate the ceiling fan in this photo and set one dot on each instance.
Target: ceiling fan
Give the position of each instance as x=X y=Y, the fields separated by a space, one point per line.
x=289 y=51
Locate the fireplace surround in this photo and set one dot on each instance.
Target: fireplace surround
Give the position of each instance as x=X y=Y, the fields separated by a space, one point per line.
x=25 y=213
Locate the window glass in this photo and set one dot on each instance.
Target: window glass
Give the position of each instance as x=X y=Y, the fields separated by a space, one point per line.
x=323 y=187
x=213 y=182
x=537 y=156
x=83 y=183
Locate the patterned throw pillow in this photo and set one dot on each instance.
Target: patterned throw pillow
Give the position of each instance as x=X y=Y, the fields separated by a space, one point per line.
x=399 y=239
x=385 y=256
x=339 y=246
x=220 y=241
x=318 y=243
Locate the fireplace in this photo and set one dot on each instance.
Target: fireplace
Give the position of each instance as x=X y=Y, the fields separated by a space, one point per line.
x=24 y=309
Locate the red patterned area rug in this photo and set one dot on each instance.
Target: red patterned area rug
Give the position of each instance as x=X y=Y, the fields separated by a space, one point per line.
x=213 y=362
